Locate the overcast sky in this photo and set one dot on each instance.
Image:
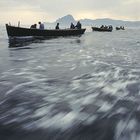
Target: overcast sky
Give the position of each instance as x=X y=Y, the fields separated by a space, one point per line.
x=30 y=11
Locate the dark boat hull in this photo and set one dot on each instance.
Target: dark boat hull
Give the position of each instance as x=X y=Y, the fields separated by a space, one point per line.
x=26 y=32
x=118 y=28
x=101 y=29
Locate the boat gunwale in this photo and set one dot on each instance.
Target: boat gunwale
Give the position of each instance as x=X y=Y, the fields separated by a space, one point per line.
x=67 y=29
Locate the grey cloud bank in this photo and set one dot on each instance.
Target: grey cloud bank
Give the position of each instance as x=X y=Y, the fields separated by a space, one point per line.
x=31 y=10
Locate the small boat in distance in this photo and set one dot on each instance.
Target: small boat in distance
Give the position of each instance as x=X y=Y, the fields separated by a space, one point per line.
x=14 y=32
x=120 y=28
x=99 y=29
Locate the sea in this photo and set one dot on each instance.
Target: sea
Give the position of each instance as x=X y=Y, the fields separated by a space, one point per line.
x=71 y=88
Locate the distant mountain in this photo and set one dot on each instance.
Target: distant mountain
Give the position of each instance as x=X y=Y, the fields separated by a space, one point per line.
x=63 y=21
x=66 y=20
x=107 y=21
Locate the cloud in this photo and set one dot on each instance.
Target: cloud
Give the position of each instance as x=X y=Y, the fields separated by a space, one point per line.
x=53 y=9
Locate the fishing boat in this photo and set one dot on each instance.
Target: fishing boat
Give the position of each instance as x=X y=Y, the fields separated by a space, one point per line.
x=14 y=31
x=102 y=29
x=120 y=28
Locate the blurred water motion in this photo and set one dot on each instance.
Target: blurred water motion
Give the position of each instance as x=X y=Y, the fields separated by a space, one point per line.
x=24 y=41
x=77 y=88
x=15 y=42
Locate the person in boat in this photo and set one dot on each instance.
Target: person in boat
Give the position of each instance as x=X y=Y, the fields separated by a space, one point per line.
x=117 y=28
x=78 y=25
x=57 y=26
x=110 y=27
x=72 y=26
x=105 y=27
x=122 y=27
x=41 y=25
x=33 y=26
x=102 y=27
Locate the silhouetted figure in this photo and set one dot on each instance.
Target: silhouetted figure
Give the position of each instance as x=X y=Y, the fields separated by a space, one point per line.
x=78 y=26
x=102 y=26
x=110 y=27
x=105 y=27
x=33 y=26
x=57 y=26
x=41 y=25
x=122 y=27
x=72 y=26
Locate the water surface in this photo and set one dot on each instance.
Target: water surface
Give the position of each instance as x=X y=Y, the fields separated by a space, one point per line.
x=73 y=88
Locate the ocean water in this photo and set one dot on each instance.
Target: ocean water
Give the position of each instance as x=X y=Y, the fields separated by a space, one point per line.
x=73 y=88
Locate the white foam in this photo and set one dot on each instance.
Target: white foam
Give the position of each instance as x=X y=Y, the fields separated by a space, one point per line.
x=105 y=107
x=75 y=84
x=119 y=129
x=73 y=67
x=131 y=125
x=42 y=111
x=89 y=99
x=91 y=119
x=17 y=87
x=61 y=120
x=121 y=110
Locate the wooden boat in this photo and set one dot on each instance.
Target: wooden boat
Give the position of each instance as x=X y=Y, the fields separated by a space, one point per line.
x=13 y=31
x=102 y=29
x=120 y=28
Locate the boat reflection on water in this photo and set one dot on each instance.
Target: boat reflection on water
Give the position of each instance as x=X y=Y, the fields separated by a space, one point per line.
x=24 y=41
x=15 y=42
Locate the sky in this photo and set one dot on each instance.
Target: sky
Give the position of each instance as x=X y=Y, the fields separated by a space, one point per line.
x=31 y=11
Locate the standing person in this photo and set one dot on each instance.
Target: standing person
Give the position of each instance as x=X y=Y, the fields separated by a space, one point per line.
x=41 y=25
x=72 y=26
x=57 y=26
x=78 y=25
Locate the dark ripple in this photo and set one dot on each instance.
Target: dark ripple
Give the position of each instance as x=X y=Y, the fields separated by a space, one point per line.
x=102 y=129
x=57 y=82
x=133 y=88
x=85 y=76
x=62 y=107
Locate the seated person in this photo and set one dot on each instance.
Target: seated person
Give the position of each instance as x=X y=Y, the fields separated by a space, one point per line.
x=105 y=27
x=33 y=26
x=57 y=26
x=72 y=26
x=110 y=27
x=78 y=26
x=102 y=26
x=122 y=27
x=41 y=25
